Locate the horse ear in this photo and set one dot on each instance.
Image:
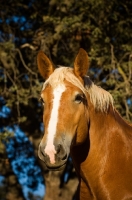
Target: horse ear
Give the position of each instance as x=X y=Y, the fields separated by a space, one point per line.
x=81 y=63
x=45 y=66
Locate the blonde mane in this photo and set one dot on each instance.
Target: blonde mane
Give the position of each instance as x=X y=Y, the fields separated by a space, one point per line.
x=100 y=98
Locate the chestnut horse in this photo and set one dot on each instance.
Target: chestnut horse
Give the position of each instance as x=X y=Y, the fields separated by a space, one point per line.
x=80 y=120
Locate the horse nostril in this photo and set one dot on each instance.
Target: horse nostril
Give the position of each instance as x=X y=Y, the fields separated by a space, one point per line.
x=64 y=157
x=58 y=149
x=42 y=152
x=61 y=153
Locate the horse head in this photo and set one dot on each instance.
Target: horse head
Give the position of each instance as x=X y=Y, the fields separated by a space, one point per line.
x=65 y=115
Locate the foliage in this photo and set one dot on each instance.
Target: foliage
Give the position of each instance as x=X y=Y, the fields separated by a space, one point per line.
x=6 y=135
x=60 y=28
x=103 y=28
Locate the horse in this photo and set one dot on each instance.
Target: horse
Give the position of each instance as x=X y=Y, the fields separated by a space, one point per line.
x=80 y=120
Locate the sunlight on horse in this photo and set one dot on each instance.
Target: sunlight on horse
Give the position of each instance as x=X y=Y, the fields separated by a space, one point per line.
x=80 y=120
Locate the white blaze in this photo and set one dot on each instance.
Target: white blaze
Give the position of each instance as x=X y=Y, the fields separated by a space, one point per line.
x=50 y=148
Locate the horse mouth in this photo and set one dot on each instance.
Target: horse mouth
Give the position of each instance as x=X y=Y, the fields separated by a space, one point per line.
x=55 y=167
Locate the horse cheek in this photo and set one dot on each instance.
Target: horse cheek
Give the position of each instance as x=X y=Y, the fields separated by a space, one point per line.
x=82 y=131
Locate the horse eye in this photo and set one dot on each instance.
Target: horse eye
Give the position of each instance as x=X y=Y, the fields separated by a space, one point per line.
x=79 y=98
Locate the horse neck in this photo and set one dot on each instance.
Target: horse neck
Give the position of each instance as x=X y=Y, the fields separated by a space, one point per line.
x=103 y=125
x=99 y=130
x=108 y=133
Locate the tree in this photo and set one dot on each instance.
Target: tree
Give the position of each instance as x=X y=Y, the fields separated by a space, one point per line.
x=102 y=28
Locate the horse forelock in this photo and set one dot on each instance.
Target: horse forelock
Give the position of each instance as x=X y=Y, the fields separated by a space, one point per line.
x=100 y=98
x=63 y=73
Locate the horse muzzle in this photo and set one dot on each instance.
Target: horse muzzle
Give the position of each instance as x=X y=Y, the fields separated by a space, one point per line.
x=55 y=159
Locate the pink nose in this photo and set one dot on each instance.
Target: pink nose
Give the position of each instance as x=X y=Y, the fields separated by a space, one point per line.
x=60 y=156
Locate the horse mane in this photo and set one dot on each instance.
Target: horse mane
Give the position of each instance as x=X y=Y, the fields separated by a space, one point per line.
x=100 y=98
